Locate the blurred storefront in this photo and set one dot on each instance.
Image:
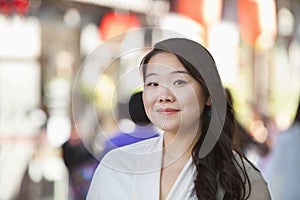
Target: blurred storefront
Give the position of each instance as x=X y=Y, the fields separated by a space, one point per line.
x=44 y=44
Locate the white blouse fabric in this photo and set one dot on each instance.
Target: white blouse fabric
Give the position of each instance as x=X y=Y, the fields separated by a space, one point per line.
x=133 y=173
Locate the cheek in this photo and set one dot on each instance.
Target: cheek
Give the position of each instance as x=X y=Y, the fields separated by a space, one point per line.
x=148 y=102
x=201 y=100
x=194 y=105
x=194 y=100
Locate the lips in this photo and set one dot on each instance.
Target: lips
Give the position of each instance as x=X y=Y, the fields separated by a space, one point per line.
x=167 y=111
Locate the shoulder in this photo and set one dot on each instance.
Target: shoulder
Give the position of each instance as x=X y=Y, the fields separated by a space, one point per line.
x=107 y=179
x=258 y=186
x=243 y=164
x=118 y=169
x=127 y=158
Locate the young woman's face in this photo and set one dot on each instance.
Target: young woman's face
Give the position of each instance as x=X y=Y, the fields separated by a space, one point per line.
x=173 y=99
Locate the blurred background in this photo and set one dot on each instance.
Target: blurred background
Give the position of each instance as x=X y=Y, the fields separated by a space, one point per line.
x=44 y=43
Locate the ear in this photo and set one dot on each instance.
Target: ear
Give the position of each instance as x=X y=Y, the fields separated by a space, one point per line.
x=208 y=101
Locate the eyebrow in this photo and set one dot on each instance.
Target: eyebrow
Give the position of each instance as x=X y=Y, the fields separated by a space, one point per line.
x=180 y=72
x=151 y=74
x=173 y=72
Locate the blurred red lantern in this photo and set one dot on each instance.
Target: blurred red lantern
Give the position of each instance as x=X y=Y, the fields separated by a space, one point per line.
x=8 y=7
x=115 y=23
x=21 y=6
x=205 y=12
x=255 y=18
x=5 y=7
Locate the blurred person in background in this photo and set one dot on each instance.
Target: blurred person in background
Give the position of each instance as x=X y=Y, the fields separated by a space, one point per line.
x=143 y=129
x=282 y=170
x=81 y=165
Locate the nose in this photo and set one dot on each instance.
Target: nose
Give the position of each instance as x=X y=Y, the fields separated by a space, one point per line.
x=166 y=96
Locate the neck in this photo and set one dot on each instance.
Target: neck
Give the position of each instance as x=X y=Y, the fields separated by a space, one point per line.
x=179 y=145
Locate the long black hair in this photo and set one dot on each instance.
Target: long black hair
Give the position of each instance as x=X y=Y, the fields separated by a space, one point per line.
x=220 y=166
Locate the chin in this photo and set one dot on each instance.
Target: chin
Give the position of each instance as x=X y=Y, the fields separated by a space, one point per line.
x=169 y=128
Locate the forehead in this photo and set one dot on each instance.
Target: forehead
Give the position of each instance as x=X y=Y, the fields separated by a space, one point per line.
x=166 y=61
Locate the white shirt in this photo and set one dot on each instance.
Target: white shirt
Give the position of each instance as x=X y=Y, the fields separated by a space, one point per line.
x=133 y=173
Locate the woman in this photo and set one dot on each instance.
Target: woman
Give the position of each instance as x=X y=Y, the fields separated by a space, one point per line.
x=194 y=157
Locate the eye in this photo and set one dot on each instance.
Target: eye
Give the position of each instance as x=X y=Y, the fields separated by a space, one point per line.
x=180 y=82
x=151 y=84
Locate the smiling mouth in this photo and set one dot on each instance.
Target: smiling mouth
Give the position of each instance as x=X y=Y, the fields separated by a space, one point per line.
x=167 y=111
